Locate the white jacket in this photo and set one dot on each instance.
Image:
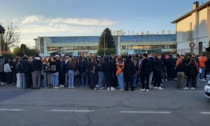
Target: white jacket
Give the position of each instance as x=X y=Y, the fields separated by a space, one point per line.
x=7 y=68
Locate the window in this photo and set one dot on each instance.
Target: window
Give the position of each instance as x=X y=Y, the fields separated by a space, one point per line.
x=123 y=47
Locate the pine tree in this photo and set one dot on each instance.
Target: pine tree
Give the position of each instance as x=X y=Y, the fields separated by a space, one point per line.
x=108 y=45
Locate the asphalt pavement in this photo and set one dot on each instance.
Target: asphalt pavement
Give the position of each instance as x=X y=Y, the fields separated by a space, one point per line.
x=84 y=107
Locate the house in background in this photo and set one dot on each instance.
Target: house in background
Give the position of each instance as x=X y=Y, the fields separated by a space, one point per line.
x=193 y=29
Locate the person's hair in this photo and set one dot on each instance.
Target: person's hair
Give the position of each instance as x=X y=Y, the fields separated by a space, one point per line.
x=45 y=60
x=120 y=59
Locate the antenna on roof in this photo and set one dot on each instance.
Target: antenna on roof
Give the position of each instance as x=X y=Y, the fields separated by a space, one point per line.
x=142 y=33
x=163 y=32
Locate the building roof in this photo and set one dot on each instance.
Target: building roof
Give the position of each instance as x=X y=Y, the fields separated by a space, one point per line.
x=123 y=38
x=191 y=12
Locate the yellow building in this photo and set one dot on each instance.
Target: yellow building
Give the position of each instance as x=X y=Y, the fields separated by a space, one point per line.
x=193 y=27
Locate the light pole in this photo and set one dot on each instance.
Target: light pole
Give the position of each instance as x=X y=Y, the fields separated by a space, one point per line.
x=104 y=42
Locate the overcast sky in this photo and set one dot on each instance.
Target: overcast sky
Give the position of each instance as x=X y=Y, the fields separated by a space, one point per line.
x=89 y=17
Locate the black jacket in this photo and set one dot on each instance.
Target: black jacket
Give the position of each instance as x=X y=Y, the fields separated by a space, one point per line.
x=54 y=67
x=109 y=67
x=145 y=67
x=157 y=65
x=37 y=64
x=129 y=68
x=27 y=66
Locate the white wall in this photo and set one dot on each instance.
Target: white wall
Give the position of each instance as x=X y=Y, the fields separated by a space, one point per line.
x=200 y=28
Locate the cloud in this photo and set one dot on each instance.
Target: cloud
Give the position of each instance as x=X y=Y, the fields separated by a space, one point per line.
x=70 y=21
x=32 y=19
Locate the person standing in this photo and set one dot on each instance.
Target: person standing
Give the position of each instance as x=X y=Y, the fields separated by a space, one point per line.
x=93 y=73
x=62 y=72
x=108 y=73
x=181 y=69
x=100 y=69
x=54 y=68
x=119 y=74
x=191 y=73
x=157 y=72
x=20 y=75
x=27 y=72
x=36 y=72
x=151 y=59
x=145 y=70
x=72 y=66
x=129 y=73
x=202 y=60
x=8 y=71
x=45 y=69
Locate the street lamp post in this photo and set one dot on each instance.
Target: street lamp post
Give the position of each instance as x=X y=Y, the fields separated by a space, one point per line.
x=104 y=42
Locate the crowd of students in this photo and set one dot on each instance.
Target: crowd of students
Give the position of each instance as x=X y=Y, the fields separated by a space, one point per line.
x=108 y=72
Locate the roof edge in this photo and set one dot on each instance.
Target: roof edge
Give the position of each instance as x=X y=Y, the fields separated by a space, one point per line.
x=189 y=13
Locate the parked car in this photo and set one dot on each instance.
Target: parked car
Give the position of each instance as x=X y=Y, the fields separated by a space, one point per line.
x=207 y=89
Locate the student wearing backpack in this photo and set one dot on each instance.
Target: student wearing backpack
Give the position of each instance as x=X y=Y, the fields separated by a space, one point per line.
x=120 y=73
x=145 y=70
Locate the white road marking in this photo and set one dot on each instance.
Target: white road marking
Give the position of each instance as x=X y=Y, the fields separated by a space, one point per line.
x=12 y=110
x=79 y=111
x=187 y=91
x=145 y=112
x=205 y=113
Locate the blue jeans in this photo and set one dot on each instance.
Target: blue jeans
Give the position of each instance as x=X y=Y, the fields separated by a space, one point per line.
x=71 y=79
x=21 y=80
x=54 y=79
x=45 y=79
x=202 y=73
x=101 y=79
x=120 y=80
x=85 y=79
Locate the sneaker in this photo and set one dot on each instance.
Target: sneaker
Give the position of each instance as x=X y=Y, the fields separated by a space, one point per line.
x=101 y=88
x=61 y=86
x=56 y=87
x=186 y=88
x=108 y=89
x=112 y=89
x=192 y=88
x=147 y=90
x=155 y=87
x=160 y=88
x=121 y=90
x=175 y=79
x=203 y=80
x=142 y=89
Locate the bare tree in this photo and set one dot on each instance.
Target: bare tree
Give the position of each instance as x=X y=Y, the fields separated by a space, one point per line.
x=10 y=38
